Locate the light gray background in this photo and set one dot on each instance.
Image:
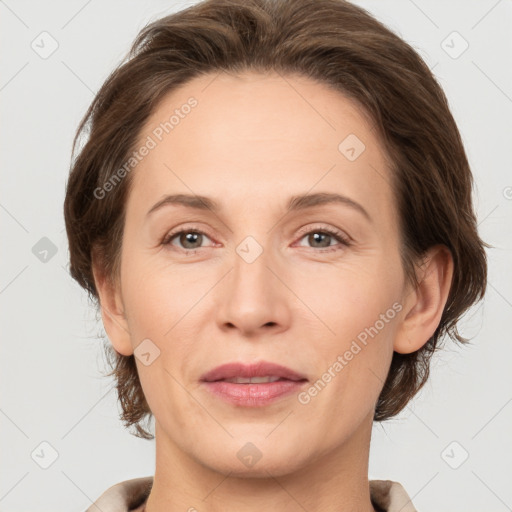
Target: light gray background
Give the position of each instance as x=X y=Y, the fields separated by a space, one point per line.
x=51 y=361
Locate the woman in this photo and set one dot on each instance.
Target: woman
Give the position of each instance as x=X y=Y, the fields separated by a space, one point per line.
x=273 y=211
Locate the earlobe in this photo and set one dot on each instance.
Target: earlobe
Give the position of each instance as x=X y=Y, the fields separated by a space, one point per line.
x=424 y=306
x=112 y=314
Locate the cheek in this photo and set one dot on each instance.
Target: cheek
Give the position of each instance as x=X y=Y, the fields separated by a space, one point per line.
x=359 y=309
x=157 y=295
x=351 y=297
x=351 y=365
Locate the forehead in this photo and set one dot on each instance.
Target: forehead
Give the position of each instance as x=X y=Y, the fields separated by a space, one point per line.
x=252 y=132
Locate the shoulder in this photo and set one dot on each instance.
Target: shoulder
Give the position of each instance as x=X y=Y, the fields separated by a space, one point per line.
x=123 y=496
x=390 y=496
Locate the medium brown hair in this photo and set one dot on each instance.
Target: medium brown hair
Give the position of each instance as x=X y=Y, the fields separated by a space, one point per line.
x=330 y=41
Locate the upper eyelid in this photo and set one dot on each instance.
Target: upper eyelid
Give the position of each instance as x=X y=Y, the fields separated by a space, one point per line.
x=318 y=227
x=304 y=230
x=172 y=233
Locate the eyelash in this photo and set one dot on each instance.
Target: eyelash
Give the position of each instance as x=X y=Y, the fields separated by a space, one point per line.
x=338 y=235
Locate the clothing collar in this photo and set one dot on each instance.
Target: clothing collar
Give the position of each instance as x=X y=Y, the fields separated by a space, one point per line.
x=131 y=495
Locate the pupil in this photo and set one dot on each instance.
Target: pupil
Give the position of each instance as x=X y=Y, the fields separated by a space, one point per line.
x=191 y=238
x=316 y=236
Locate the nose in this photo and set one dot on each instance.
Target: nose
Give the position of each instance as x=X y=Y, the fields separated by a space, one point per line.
x=253 y=297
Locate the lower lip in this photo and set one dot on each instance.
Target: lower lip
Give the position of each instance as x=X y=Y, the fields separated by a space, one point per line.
x=254 y=395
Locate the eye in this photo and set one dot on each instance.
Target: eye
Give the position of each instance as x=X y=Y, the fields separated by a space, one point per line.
x=322 y=238
x=189 y=238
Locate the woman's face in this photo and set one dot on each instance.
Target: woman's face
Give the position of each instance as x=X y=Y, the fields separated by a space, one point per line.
x=253 y=280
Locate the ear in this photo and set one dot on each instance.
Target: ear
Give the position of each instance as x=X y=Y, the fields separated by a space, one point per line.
x=112 y=313
x=424 y=306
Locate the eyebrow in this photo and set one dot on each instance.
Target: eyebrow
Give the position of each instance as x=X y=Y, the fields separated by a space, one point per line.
x=295 y=203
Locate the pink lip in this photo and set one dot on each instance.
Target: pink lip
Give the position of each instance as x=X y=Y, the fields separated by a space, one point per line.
x=261 y=369
x=252 y=395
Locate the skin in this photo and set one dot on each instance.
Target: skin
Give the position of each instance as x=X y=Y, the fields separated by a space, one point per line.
x=298 y=304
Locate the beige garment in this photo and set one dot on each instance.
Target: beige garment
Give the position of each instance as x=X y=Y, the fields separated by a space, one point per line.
x=131 y=496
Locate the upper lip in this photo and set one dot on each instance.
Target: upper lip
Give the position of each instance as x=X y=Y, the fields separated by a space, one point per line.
x=261 y=369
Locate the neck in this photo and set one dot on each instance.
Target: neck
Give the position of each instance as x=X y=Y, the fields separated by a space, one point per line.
x=335 y=481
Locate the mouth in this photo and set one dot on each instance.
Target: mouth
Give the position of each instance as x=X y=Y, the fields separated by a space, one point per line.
x=255 y=373
x=252 y=385
x=253 y=380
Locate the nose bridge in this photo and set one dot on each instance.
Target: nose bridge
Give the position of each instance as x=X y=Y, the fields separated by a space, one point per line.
x=254 y=247
x=251 y=275
x=252 y=296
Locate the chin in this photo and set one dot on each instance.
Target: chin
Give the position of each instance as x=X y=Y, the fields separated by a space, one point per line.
x=276 y=465
x=256 y=456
